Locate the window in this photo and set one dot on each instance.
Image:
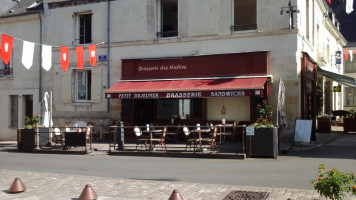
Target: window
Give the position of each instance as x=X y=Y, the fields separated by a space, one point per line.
x=350 y=96
x=244 y=17
x=83 y=85
x=84 y=29
x=350 y=66
x=14 y=111
x=173 y=108
x=5 y=70
x=168 y=18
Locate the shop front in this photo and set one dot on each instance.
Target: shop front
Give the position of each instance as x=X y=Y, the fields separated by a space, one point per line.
x=193 y=89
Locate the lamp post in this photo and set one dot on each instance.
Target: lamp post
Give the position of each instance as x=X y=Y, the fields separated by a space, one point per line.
x=290 y=9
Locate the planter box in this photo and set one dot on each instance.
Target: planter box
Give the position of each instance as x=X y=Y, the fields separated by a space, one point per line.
x=349 y=125
x=324 y=124
x=265 y=142
x=26 y=140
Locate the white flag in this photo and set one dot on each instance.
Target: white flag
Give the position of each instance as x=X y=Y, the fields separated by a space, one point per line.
x=349 y=6
x=351 y=55
x=46 y=57
x=27 y=54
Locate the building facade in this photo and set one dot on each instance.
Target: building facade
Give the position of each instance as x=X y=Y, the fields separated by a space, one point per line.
x=268 y=39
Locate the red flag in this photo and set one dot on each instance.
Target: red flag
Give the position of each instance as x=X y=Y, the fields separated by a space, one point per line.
x=6 y=48
x=80 y=57
x=329 y=1
x=65 y=58
x=346 y=55
x=92 y=54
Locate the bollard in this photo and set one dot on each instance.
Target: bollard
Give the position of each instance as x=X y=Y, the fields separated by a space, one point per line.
x=17 y=186
x=88 y=193
x=176 y=195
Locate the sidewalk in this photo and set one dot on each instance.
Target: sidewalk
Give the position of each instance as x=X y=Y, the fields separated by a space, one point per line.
x=321 y=140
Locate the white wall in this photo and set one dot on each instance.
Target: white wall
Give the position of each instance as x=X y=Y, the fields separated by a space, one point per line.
x=24 y=81
x=236 y=108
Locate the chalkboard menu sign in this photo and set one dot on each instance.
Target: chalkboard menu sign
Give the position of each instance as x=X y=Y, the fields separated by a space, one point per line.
x=303 y=131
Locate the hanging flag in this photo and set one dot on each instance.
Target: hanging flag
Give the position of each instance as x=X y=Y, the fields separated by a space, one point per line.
x=6 y=48
x=351 y=55
x=92 y=54
x=27 y=54
x=346 y=55
x=349 y=6
x=80 y=57
x=46 y=57
x=65 y=58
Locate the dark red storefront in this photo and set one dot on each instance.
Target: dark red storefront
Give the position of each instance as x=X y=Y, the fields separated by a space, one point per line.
x=150 y=85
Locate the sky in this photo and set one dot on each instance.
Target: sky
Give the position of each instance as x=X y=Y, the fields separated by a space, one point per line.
x=347 y=21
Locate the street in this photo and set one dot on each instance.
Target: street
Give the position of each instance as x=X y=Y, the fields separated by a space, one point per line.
x=288 y=171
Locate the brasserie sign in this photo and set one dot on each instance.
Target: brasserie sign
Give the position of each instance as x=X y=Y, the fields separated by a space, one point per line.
x=185 y=94
x=162 y=68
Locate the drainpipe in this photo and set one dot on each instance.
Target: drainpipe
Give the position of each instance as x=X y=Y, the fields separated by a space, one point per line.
x=40 y=60
x=108 y=49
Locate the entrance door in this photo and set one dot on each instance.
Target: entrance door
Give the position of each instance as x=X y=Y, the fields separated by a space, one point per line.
x=308 y=84
x=144 y=111
x=28 y=105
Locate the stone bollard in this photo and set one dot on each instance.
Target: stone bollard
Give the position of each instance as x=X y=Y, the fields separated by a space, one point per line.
x=88 y=193
x=17 y=186
x=176 y=195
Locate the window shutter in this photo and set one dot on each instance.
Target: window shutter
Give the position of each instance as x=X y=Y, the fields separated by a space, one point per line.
x=96 y=85
x=67 y=86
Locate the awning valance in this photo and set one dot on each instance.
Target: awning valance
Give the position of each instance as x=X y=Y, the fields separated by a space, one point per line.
x=187 y=88
x=342 y=79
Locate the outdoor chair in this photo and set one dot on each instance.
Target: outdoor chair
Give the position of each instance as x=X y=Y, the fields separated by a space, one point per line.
x=94 y=135
x=58 y=137
x=232 y=133
x=211 y=141
x=191 y=140
x=161 y=141
x=140 y=140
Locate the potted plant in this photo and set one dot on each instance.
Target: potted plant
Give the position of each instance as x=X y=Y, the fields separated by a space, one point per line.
x=265 y=139
x=32 y=122
x=264 y=114
x=350 y=121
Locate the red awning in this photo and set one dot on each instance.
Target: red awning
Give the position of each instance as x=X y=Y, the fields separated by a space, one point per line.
x=190 y=88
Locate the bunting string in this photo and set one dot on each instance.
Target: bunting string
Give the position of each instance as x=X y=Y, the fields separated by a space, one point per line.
x=28 y=52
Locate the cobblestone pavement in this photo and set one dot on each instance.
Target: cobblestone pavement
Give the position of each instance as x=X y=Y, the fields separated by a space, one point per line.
x=48 y=186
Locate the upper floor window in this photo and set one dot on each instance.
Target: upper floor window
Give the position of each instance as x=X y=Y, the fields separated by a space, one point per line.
x=83 y=85
x=245 y=15
x=5 y=70
x=84 y=28
x=167 y=18
x=350 y=66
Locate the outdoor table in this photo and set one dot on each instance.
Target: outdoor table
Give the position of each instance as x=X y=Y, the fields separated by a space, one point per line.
x=151 y=132
x=199 y=133
x=222 y=131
